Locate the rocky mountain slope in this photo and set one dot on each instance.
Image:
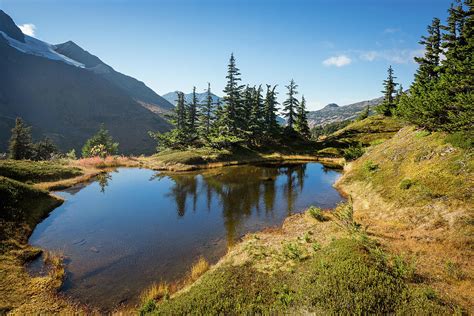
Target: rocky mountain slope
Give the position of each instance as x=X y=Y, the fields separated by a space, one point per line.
x=334 y=113
x=64 y=100
x=133 y=87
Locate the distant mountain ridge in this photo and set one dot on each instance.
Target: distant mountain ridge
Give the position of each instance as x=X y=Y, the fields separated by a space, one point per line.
x=135 y=88
x=334 y=113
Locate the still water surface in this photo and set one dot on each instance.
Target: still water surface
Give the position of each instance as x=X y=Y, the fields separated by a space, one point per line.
x=132 y=227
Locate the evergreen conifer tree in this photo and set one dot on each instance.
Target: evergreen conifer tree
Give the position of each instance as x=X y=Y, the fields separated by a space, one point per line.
x=256 y=119
x=21 y=144
x=246 y=106
x=290 y=105
x=364 y=114
x=44 y=149
x=231 y=121
x=301 y=122
x=445 y=102
x=430 y=62
x=191 y=115
x=180 y=113
x=100 y=144
x=205 y=115
x=388 y=104
x=271 y=126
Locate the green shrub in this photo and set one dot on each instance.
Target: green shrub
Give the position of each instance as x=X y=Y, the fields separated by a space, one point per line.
x=376 y=142
x=293 y=251
x=353 y=152
x=317 y=213
x=71 y=154
x=463 y=140
x=422 y=133
x=148 y=307
x=370 y=166
x=101 y=144
x=405 y=184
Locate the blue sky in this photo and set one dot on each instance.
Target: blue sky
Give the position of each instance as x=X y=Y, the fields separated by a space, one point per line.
x=337 y=51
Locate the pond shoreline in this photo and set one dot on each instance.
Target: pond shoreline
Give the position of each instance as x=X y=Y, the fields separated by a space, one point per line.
x=156 y=165
x=90 y=172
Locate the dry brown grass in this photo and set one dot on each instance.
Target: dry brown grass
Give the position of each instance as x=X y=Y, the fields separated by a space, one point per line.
x=107 y=162
x=198 y=269
x=156 y=292
x=22 y=294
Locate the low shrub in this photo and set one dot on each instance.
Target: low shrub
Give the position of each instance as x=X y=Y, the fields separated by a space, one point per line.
x=353 y=152
x=422 y=133
x=405 y=184
x=464 y=140
x=370 y=166
x=316 y=213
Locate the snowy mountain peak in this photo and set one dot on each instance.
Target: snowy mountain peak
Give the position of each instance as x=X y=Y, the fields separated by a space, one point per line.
x=74 y=51
x=39 y=48
x=9 y=27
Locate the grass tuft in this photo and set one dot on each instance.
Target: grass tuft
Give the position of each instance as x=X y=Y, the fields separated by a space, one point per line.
x=156 y=292
x=316 y=213
x=199 y=268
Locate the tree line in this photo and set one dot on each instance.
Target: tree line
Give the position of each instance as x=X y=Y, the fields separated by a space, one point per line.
x=21 y=145
x=441 y=96
x=247 y=115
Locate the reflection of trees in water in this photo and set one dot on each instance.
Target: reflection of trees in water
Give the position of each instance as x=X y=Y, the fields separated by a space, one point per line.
x=239 y=190
x=103 y=180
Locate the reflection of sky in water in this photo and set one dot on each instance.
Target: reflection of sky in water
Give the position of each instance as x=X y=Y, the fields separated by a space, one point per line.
x=132 y=227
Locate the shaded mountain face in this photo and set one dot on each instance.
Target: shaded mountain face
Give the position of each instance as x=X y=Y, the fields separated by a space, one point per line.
x=62 y=99
x=9 y=27
x=171 y=97
x=332 y=112
x=131 y=86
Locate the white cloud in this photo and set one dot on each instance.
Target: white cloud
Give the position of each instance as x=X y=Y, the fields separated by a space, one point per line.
x=28 y=29
x=397 y=56
x=338 y=61
x=369 y=56
x=391 y=30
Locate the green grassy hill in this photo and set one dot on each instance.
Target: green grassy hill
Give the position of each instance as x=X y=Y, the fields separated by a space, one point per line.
x=373 y=130
x=414 y=193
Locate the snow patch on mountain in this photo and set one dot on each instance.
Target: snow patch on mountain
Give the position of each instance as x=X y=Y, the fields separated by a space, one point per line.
x=39 y=48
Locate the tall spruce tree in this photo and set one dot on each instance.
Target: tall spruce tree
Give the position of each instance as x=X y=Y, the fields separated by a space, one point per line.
x=246 y=106
x=301 y=122
x=290 y=105
x=446 y=101
x=271 y=127
x=191 y=115
x=363 y=114
x=256 y=119
x=388 y=104
x=21 y=144
x=429 y=63
x=205 y=115
x=217 y=121
x=231 y=120
x=180 y=112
